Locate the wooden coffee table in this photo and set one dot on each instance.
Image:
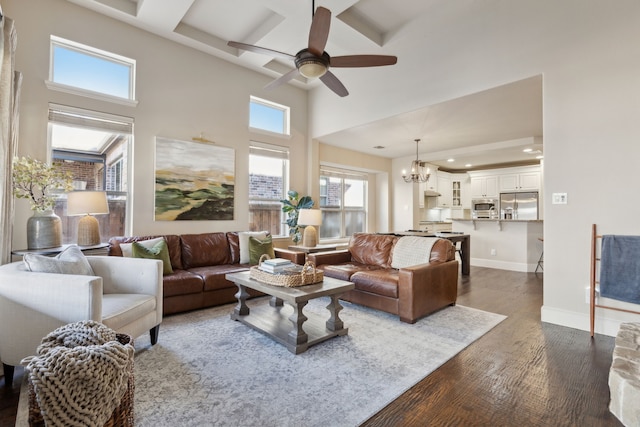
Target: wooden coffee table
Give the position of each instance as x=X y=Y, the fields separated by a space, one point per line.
x=293 y=329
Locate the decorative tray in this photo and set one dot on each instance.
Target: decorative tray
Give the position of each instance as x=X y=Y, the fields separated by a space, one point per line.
x=290 y=278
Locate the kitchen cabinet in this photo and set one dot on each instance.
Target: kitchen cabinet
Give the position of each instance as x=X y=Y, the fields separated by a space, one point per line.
x=528 y=181
x=484 y=186
x=445 y=190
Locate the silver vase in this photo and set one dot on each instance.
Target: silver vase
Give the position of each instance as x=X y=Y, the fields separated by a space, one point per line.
x=44 y=230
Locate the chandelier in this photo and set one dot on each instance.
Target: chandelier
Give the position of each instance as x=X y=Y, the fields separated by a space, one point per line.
x=418 y=171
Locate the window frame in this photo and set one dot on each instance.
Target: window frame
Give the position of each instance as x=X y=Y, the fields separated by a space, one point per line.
x=344 y=174
x=286 y=125
x=279 y=152
x=85 y=118
x=97 y=53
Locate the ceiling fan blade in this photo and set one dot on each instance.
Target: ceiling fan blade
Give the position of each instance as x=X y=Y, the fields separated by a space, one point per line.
x=363 y=60
x=263 y=50
x=282 y=79
x=319 y=32
x=332 y=82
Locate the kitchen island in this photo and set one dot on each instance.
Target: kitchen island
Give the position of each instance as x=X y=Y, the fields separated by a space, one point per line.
x=507 y=244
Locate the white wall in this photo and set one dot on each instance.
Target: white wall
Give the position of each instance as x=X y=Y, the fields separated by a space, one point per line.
x=181 y=92
x=589 y=56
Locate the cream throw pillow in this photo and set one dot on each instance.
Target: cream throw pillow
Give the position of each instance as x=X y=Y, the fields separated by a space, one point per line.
x=69 y=261
x=243 y=237
x=128 y=252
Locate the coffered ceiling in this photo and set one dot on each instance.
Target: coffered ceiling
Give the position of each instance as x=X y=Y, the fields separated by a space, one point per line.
x=487 y=128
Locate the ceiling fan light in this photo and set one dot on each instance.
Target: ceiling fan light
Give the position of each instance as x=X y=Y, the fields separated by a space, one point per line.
x=312 y=69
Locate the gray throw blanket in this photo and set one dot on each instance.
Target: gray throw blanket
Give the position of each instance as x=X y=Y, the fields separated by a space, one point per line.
x=620 y=268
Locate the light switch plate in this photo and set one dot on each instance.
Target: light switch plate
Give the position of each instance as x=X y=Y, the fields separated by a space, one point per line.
x=559 y=198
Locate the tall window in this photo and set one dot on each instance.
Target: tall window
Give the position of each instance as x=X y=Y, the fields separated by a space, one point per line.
x=268 y=116
x=94 y=147
x=268 y=181
x=85 y=70
x=343 y=202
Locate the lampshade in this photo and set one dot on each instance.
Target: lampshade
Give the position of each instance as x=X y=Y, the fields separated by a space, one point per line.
x=310 y=218
x=87 y=203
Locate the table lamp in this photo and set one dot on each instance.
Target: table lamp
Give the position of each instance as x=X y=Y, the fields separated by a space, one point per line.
x=87 y=203
x=310 y=218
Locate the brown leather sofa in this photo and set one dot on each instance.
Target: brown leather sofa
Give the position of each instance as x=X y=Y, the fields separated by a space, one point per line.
x=200 y=262
x=410 y=292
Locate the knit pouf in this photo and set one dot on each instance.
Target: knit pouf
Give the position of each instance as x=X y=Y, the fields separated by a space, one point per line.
x=82 y=375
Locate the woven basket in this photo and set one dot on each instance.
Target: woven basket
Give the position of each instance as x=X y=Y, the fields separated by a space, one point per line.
x=307 y=276
x=122 y=416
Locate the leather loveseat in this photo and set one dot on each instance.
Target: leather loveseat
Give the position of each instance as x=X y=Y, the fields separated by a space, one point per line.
x=199 y=263
x=411 y=291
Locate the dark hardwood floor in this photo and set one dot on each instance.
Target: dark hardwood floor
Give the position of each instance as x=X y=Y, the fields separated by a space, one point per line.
x=522 y=373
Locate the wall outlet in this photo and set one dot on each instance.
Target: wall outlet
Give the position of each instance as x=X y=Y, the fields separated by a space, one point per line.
x=493 y=252
x=559 y=198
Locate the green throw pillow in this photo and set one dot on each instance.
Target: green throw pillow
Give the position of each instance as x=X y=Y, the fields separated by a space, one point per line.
x=158 y=251
x=259 y=247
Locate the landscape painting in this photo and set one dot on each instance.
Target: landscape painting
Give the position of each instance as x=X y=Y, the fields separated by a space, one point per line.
x=194 y=181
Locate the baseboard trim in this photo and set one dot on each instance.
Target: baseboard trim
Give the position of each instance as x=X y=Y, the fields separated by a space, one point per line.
x=603 y=325
x=504 y=265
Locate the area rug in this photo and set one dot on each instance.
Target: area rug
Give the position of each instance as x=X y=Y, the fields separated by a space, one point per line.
x=208 y=370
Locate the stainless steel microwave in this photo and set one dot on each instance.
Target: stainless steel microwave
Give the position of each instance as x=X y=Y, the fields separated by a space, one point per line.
x=484 y=208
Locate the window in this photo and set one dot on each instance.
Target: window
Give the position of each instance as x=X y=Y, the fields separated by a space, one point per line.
x=268 y=181
x=343 y=202
x=85 y=70
x=268 y=116
x=94 y=147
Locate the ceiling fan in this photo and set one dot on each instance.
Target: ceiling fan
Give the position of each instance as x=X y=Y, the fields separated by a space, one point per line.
x=313 y=62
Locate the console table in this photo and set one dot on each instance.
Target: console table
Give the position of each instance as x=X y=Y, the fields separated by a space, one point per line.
x=99 y=249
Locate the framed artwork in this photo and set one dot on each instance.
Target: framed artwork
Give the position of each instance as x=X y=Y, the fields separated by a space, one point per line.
x=194 y=181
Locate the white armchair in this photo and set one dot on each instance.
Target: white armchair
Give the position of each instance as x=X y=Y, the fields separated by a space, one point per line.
x=125 y=294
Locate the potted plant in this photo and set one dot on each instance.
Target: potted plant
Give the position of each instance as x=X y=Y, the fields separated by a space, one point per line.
x=33 y=180
x=291 y=206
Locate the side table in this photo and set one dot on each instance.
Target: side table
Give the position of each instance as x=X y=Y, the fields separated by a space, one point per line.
x=312 y=249
x=99 y=249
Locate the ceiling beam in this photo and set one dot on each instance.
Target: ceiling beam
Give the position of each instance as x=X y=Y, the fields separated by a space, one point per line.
x=163 y=14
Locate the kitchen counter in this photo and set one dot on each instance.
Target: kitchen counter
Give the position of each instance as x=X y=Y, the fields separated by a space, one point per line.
x=507 y=244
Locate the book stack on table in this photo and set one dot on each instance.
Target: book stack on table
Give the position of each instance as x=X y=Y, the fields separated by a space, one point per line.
x=276 y=265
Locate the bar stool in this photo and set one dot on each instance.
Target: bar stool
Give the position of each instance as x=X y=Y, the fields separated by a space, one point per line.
x=540 y=260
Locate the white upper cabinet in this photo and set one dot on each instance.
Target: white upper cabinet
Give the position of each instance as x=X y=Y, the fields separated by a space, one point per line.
x=484 y=186
x=445 y=190
x=526 y=181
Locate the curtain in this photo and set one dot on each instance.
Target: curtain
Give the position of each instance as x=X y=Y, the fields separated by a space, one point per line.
x=10 y=83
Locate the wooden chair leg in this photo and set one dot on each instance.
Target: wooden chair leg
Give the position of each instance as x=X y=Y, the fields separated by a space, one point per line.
x=8 y=375
x=153 y=333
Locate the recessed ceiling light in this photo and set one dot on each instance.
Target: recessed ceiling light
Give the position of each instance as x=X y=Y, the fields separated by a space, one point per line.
x=468 y=165
x=450 y=160
x=539 y=157
x=527 y=150
x=379 y=147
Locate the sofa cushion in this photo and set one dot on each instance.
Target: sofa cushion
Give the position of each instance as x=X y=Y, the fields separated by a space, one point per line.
x=69 y=261
x=181 y=282
x=379 y=282
x=258 y=247
x=214 y=277
x=200 y=250
x=127 y=248
x=158 y=251
x=243 y=237
x=234 y=246
x=173 y=243
x=372 y=249
x=345 y=271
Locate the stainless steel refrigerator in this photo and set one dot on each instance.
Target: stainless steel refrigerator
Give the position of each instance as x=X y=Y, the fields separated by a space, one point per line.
x=519 y=205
